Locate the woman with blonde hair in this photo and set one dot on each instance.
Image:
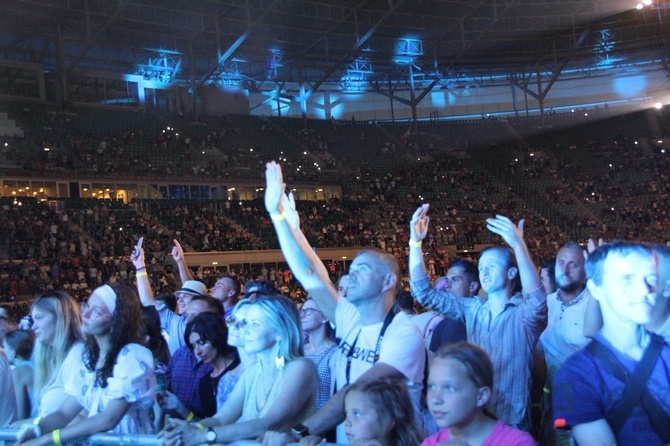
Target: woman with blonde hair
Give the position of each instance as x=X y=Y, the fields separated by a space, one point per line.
x=114 y=379
x=58 y=349
x=274 y=394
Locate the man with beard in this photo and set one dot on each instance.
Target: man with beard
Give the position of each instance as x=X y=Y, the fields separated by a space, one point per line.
x=564 y=334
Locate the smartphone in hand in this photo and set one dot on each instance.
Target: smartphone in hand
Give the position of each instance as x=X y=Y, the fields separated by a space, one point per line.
x=136 y=251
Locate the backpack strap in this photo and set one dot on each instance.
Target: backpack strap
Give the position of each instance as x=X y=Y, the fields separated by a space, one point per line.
x=635 y=390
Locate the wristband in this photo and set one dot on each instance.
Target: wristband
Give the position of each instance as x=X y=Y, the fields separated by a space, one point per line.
x=199 y=425
x=190 y=416
x=55 y=436
x=415 y=244
x=546 y=390
x=36 y=427
x=143 y=268
x=278 y=217
x=141 y=274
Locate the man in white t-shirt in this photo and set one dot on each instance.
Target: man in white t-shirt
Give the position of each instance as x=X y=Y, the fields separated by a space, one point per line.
x=375 y=342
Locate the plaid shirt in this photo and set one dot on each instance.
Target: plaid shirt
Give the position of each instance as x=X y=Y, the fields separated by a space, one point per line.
x=509 y=341
x=184 y=375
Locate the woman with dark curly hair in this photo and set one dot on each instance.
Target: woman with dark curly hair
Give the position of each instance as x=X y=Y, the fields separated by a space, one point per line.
x=116 y=384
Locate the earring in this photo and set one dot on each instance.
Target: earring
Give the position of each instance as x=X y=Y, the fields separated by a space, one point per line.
x=279 y=360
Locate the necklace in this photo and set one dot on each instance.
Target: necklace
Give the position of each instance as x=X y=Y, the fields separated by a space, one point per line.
x=265 y=393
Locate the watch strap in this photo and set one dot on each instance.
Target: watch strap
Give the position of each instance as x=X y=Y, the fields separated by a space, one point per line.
x=300 y=430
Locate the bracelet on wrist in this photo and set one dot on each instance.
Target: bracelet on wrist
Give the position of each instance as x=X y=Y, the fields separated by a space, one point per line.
x=142 y=268
x=55 y=436
x=36 y=427
x=141 y=273
x=415 y=244
x=190 y=416
x=278 y=217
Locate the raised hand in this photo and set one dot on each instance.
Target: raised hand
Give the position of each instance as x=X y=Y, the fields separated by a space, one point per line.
x=274 y=188
x=177 y=251
x=504 y=227
x=418 y=226
x=591 y=246
x=137 y=257
x=288 y=207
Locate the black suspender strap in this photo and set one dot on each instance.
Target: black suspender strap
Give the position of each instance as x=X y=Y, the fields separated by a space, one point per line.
x=635 y=387
x=387 y=321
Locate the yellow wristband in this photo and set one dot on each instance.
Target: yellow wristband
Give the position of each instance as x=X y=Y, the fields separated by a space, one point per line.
x=279 y=217
x=55 y=436
x=190 y=416
x=143 y=273
x=37 y=420
x=415 y=244
x=199 y=426
x=546 y=390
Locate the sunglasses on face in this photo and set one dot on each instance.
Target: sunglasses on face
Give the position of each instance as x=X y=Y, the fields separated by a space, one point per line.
x=233 y=322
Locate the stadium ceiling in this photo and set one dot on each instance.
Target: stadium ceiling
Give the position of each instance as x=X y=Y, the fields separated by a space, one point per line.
x=281 y=42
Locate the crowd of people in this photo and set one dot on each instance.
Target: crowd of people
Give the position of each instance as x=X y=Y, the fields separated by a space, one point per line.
x=494 y=351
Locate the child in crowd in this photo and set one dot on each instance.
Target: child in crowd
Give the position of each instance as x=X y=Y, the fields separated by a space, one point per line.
x=460 y=383
x=18 y=346
x=380 y=413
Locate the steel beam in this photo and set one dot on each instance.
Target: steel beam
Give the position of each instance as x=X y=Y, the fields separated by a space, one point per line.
x=236 y=44
x=100 y=32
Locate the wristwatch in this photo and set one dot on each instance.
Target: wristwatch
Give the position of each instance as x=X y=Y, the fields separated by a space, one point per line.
x=300 y=430
x=210 y=436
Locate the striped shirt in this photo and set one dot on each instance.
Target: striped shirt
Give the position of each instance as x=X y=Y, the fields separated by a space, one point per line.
x=509 y=340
